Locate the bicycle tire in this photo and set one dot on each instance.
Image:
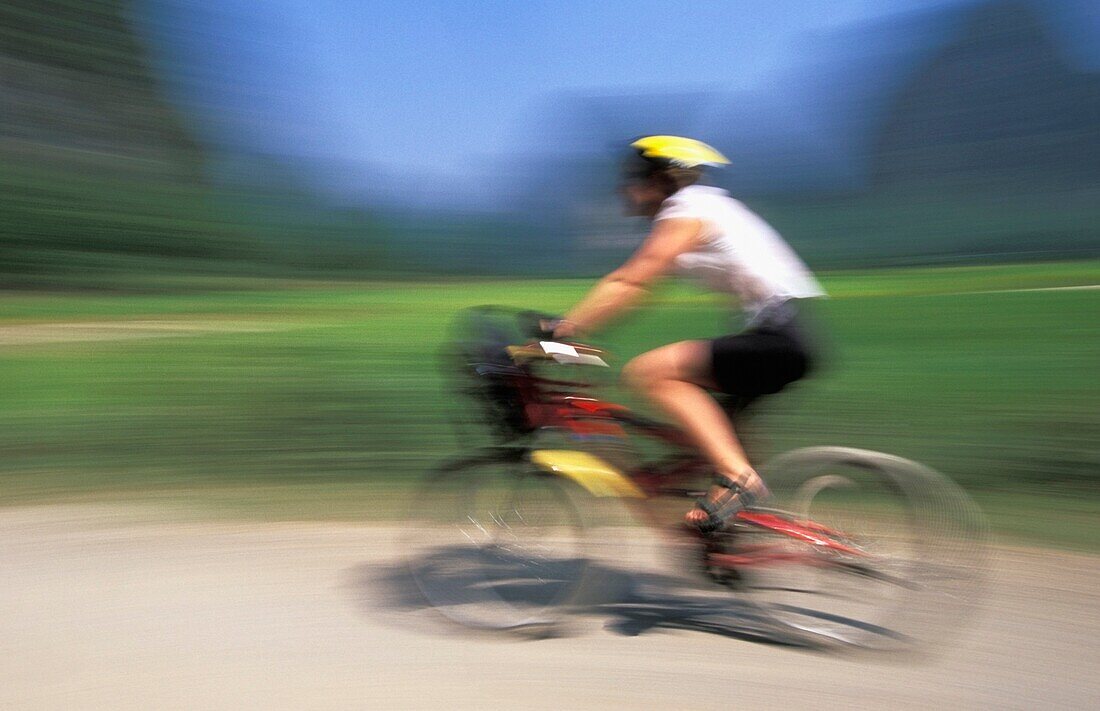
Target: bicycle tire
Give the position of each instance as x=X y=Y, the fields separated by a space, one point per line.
x=925 y=543
x=496 y=544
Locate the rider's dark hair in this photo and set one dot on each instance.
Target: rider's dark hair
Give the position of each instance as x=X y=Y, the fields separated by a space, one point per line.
x=668 y=177
x=676 y=178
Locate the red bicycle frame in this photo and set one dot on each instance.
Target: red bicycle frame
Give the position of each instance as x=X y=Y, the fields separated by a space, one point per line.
x=556 y=403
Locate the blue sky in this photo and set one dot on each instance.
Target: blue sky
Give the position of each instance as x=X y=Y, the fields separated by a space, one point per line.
x=436 y=87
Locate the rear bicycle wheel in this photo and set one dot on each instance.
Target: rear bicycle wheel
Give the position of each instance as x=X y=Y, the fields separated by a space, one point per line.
x=917 y=542
x=496 y=544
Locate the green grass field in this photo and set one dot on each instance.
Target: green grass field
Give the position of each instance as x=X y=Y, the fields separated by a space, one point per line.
x=324 y=400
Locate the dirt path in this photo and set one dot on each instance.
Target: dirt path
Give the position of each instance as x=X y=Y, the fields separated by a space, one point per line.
x=122 y=330
x=104 y=608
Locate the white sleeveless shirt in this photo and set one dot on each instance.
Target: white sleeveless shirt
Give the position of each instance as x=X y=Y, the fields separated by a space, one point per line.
x=740 y=254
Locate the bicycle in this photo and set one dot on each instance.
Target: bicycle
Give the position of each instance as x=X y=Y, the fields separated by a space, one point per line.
x=869 y=550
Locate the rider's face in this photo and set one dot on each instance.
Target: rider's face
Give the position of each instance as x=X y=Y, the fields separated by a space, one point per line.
x=641 y=198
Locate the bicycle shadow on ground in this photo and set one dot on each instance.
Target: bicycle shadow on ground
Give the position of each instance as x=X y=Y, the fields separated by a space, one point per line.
x=629 y=603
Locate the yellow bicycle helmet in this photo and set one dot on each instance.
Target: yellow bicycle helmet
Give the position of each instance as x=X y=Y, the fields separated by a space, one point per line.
x=677 y=151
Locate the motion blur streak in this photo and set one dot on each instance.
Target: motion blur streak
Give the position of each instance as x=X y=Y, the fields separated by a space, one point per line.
x=233 y=235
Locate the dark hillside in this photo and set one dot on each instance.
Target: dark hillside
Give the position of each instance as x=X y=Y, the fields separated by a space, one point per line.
x=75 y=90
x=99 y=176
x=999 y=103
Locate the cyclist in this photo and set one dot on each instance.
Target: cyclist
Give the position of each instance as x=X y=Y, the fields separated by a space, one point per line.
x=701 y=231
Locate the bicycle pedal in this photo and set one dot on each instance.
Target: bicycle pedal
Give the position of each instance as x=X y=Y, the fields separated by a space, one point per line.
x=722 y=542
x=727 y=578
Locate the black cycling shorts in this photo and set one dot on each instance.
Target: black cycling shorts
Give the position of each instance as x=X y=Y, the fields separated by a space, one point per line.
x=763 y=359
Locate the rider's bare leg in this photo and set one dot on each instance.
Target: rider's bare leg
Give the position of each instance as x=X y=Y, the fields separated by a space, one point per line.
x=675 y=377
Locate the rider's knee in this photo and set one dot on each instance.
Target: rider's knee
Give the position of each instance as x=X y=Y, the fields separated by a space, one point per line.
x=638 y=374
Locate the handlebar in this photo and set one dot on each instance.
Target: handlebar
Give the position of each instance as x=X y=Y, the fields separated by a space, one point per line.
x=535 y=324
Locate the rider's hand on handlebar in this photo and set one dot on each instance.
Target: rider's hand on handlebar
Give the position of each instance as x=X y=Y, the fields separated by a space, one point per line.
x=562 y=329
x=556 y=328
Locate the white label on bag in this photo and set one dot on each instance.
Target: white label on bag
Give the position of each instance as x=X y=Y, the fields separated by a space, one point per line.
x=555 y=348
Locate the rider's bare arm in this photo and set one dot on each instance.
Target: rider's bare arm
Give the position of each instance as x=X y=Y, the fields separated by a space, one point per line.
x=625 y=286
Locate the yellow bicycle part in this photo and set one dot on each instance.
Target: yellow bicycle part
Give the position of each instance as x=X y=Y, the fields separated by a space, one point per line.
x=591 y=473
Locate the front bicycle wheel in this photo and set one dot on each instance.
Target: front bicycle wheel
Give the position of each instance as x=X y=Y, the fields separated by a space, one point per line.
x=497 y=544
x=916 y=550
